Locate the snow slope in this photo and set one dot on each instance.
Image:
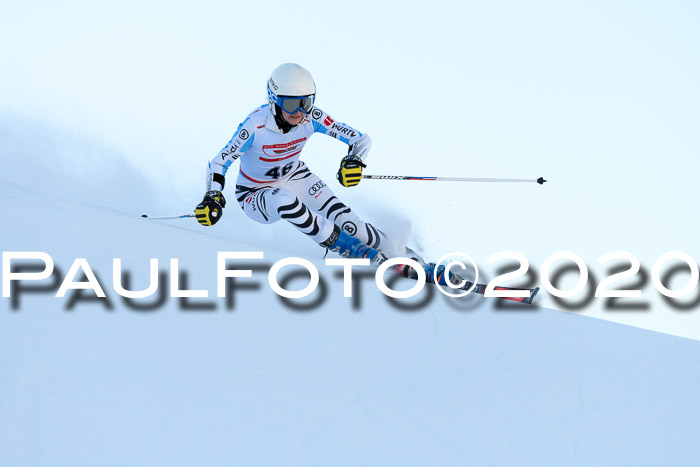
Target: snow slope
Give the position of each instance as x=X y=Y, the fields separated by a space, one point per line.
x=109 y=110
x=256 y=382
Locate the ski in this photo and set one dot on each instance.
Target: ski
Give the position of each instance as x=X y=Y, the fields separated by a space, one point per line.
x=436 y=275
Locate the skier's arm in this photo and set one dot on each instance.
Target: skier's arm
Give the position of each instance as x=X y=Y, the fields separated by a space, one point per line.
x=236 y=147
x=359 y=143
x=210 y=210
x=350 y=172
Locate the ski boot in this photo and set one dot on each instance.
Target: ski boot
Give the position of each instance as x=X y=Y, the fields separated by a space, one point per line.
x=406 y=270
x=434 y=274
x=351 y=247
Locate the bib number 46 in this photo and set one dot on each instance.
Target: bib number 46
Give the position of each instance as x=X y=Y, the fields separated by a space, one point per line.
x=279 y=171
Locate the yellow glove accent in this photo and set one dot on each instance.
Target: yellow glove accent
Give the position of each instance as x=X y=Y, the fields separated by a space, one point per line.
x=202 y=213
x=209 y=211
x=350 y=173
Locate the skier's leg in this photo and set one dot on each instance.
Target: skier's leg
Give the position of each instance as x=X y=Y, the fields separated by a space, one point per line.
x=314 y=193
x=267 y=205
x=351 y=223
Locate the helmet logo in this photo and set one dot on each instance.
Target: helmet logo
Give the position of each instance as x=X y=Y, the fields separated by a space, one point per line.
x=272 y=83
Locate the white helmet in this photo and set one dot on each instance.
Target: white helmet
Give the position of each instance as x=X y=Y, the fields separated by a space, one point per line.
x=290 y=80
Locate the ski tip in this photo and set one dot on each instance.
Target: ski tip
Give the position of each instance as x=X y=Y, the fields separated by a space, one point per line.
x=144 y=215
x=533 y=292
x=541 y=180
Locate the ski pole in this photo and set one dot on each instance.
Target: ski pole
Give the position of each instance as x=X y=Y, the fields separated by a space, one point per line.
x=167 y=217
x=540 y=180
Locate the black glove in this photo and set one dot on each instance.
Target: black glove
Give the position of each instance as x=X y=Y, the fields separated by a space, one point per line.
x=210 y=210
x=350 y=172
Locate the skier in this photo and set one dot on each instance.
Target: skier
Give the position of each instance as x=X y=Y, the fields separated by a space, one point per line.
x=273 y=183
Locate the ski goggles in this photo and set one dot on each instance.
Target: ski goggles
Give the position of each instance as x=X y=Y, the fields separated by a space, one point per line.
x=292 y=104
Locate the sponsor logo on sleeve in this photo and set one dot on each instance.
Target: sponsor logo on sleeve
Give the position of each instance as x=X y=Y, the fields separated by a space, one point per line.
x=316 y=114
x=344 y=130
x=328 y=121
x=243 y=134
